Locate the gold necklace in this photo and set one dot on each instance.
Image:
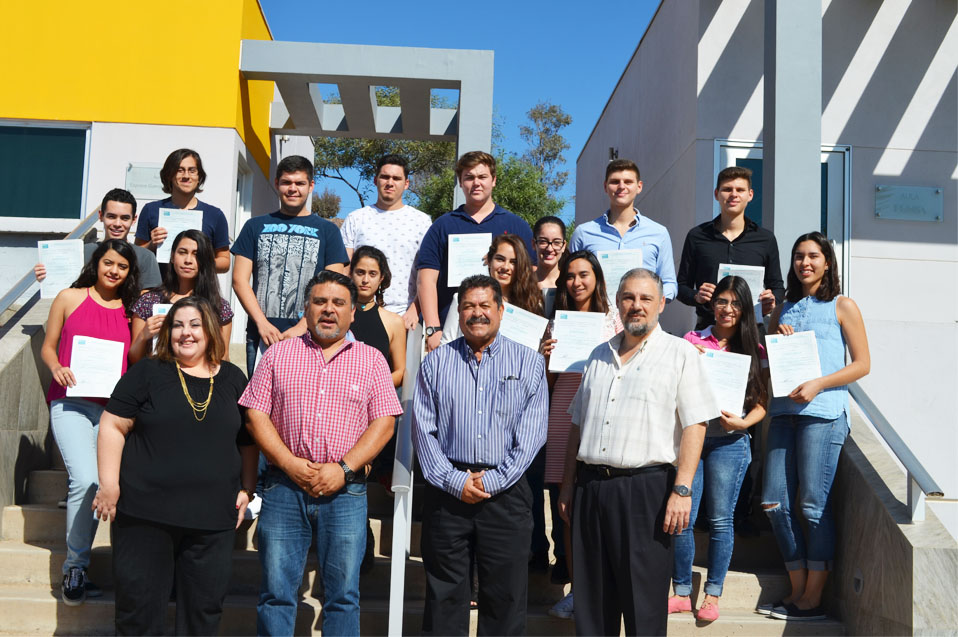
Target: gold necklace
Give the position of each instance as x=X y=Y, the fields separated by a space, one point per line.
x=199 y=408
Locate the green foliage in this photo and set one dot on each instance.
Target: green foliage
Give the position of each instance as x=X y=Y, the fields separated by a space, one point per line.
x=546 y=143
x=326 y=205
x=519 y=189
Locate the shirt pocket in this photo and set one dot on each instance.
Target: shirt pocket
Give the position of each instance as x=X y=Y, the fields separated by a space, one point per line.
x=355 y=404
x=508 y=400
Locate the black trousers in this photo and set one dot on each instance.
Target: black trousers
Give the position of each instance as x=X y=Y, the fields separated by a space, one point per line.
x=623 y=558
x=498 y=530
x=145 y=557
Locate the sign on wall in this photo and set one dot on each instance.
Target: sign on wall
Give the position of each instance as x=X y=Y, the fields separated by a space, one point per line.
x=909 y=203
x=143 y=180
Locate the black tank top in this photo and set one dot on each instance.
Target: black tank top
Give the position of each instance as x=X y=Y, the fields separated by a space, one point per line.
x=368 y=328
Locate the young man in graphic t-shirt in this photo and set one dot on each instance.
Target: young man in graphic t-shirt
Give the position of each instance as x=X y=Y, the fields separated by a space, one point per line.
x=282 y=251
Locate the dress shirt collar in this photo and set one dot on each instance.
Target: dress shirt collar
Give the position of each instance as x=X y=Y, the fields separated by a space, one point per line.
x=616 y=341
x=462 y=212
x=492 y=349
x=635 y=221
x=310 y=343
x=750 y=226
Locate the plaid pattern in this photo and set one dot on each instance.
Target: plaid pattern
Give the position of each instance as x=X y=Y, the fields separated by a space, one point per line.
x=321 y=408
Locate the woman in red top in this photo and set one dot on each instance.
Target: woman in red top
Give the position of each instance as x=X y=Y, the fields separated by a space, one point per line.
x=96 y=306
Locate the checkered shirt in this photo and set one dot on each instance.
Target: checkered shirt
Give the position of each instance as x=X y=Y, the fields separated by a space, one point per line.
x=321 y=408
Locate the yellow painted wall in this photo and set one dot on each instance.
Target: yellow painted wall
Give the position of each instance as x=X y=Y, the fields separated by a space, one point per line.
x=170 y=62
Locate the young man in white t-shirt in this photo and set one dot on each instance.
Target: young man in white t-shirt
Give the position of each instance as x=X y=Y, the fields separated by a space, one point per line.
x=394 y=228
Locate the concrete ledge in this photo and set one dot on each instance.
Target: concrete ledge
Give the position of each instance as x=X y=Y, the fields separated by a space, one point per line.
x=891 y=577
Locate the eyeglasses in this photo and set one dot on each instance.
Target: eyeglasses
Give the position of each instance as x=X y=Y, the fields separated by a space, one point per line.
x=545 y=243
x=721 y=304
x=190 y=171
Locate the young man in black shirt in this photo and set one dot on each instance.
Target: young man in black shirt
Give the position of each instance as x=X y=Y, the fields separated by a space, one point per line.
x=729 y=238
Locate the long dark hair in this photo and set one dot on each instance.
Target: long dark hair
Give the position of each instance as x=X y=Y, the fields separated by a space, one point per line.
x=745 y=340
x=524 y=290
x=377 y=255
x=598 y=302
x=831 y=283
x=205 y=285
x=129 y=290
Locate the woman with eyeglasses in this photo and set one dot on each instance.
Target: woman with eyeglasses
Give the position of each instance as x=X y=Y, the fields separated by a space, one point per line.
x=726 y=452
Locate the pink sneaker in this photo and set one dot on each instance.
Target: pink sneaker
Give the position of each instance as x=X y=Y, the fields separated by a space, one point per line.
x=708 y=613
x=679 y=604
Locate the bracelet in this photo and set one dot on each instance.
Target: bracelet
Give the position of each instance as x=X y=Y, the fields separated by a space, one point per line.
x=250 y=493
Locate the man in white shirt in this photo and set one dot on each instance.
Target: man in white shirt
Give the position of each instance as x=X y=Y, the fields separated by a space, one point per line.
x=642 y=406
x=394 y=228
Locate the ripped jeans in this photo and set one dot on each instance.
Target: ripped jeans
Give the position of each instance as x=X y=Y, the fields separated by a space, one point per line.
x=800 y=469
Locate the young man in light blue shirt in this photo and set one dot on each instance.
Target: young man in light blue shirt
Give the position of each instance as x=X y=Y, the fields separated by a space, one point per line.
x=623 y=228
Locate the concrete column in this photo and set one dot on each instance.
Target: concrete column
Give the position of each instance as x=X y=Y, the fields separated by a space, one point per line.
x=475 y=113
x=793 y=120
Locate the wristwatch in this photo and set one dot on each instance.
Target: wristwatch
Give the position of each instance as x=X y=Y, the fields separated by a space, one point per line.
x=682 y=490
x=349 y=473
x=432 y=330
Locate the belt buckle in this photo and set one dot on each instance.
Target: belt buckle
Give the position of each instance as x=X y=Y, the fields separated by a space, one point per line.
x=606 y=471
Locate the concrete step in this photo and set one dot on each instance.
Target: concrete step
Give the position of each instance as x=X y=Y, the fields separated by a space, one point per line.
x=30 y=611
x=48 y=486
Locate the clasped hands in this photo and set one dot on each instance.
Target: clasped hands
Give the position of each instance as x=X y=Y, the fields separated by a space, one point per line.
x=474 y=491
x=316 y=478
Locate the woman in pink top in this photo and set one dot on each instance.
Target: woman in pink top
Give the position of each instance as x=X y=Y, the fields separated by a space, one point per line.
x=97 y=305
x=726 y=452
x=581 y=288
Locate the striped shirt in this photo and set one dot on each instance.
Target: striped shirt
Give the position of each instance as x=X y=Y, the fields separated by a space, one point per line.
x=632 y=414
x=321 y=408
x=492 y=412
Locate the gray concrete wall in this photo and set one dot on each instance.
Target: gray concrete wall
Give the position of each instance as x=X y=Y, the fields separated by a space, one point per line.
x=25 y=439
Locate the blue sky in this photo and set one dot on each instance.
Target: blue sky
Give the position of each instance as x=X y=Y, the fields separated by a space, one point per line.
x=569 y=53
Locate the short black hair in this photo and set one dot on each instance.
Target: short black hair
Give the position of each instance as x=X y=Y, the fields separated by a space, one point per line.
x=483 y=281
x=172 y=164
x=394 y=160
x=295 y=164
x=328 y=276
x=119 y=195
x=541 y=221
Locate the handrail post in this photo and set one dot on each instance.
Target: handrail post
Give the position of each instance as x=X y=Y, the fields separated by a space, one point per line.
x=402 y=486
x=916 y=500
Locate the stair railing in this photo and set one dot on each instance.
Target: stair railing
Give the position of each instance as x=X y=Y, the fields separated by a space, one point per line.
x=402 y=485
x=28 y=280
x=920 y=483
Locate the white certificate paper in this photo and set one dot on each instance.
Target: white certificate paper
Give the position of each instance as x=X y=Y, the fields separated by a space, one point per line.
x=792 y=360
x=615 y=263
x=160 y=309
x=63 y=261
x=465 y=256
x=522 y=327
x=754 y=276
x=728 y=377
x=97 y=365
x=176 y=221
x=576 y=334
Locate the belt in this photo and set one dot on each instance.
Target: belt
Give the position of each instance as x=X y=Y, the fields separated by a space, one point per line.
x=604 y=472
x=465 y=466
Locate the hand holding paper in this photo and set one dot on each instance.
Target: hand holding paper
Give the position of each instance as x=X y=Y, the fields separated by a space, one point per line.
x=792 y=360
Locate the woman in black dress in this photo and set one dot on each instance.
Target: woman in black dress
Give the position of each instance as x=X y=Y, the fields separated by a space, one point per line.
x=373 y=324
x=176 y=469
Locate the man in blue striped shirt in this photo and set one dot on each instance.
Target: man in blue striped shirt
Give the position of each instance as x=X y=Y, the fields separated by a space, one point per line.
x=479 y=418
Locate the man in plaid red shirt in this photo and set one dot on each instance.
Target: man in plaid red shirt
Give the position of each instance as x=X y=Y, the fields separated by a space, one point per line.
x=320 y=408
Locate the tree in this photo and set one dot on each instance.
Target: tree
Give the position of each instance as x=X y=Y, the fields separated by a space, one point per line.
x=336 y=157
x=326 y=205
x=519 y=188
x=546 y=143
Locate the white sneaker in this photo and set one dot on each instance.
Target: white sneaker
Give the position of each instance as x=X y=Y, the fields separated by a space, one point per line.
x=563 y=607
x=252 y=509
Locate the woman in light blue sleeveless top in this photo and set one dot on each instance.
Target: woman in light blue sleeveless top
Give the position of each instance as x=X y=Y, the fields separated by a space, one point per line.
x=809 y=426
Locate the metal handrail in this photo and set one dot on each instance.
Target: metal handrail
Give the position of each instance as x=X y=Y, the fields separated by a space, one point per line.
x=920 y=482
x=402 y=484
x=28 y=279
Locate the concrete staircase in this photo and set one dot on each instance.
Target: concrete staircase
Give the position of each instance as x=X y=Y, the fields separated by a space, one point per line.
x=32 y=551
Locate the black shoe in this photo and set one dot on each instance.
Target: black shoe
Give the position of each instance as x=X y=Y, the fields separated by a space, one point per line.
x=539 y=562
x=791 y=612
x=91 y=589
x=560 y=572
x=74 y=589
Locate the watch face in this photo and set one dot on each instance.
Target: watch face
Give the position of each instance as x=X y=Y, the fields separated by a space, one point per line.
x=682 y=490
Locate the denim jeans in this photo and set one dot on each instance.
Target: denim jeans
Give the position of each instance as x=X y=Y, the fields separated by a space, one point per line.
x=287 y=523
x=718 y=479
x=75 y=423
x=800 y=468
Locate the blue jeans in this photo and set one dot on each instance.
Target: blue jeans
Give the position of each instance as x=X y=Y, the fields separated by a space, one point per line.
x=718 y=479
x=800 y=468
x=75 y=423
x=287 y=523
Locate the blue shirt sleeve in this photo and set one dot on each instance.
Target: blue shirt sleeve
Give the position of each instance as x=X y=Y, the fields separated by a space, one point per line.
x=665 y=267
x=436 y=468
x=335 y=251
x=431 y=250
x=220 y=228
x=245 y=244
x=525 y=233
x=149 y=217
x=576 y=242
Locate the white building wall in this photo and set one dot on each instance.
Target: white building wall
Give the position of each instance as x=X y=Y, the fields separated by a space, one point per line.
x=889 y=91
